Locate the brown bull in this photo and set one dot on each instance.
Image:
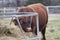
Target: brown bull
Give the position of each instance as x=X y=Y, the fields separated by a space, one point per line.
x=43 y=18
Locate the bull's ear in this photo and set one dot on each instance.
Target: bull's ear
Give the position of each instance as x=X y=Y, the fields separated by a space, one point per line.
x=15 y=21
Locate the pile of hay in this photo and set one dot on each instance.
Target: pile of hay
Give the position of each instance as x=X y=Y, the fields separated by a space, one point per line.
x=11 y=32
x=8 y=32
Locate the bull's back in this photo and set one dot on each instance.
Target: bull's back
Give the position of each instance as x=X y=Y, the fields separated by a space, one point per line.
x=42 y=13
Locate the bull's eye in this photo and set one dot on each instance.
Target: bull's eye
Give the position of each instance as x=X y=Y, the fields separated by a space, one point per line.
x=21 y=22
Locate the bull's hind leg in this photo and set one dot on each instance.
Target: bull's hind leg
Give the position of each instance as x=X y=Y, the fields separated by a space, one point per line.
x=43 y=32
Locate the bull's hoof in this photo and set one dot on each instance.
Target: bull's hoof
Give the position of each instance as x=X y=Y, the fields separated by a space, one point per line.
x=43 y=39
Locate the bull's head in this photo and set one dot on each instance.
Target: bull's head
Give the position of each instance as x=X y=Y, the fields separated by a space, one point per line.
x=24 y=21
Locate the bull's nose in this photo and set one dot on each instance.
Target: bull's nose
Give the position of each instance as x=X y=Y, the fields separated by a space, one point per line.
x=29 y=29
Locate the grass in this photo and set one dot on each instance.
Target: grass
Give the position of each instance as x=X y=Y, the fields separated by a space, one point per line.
x=52 y=31
x=53 y=27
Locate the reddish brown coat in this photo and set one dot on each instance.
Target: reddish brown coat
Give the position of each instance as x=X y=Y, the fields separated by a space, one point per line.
x=43 y=17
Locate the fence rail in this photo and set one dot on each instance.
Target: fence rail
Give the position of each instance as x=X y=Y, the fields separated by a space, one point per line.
x=50 y=9
x=53 y=9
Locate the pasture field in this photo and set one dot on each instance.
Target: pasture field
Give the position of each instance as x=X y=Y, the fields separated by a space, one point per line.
x=12 y=32
x=53 y=27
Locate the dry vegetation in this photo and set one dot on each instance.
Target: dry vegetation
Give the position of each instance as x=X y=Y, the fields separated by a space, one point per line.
x=11 y=32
